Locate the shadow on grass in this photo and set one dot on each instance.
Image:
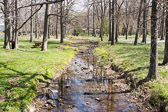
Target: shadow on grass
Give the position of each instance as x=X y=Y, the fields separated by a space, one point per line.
x=137 y=69
x=20 y=91
x=54 y=42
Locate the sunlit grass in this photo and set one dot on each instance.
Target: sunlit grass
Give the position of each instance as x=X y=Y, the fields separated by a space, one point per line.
x=135 y=60
x=20 y=70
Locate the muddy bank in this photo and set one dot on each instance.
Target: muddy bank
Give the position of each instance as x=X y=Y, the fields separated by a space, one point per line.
x=85 y=86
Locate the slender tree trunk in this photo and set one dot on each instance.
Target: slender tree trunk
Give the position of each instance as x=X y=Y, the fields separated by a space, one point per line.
x=49 y=28
x=163 y=24
x=110 y=24
x=165 y=60
x=138 y=23
x=113 y=38
x=126 y=32
x=31 y=24
x=45 y=33
x=94 y=30
x=117 y=32
x=13 y=21
x=36 y=25
x=57 y=24
x=16 y=25
x=159 y=27
x=61 y=23
x=7 y=25
x=127 y=22
x=102 y=21
x=117 y=24
x=144 y=23
x=130 y=31
x=153 y=69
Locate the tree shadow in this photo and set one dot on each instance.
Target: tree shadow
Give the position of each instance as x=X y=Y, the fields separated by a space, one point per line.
x=107 y=93
x=24 y=84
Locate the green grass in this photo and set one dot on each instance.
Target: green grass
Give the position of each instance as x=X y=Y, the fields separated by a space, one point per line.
x=20 y=71
x=135 y=60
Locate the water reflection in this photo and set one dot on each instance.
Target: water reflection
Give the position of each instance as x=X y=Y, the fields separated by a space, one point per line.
x=85 y=87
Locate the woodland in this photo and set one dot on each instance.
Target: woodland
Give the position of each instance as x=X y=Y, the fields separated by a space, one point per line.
x=84 y=55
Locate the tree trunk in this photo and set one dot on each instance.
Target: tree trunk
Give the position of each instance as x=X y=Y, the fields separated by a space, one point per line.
x=45 y=34
x=31 y=24
x=7 y=25
x=117 y=24
x=94 y=30
x=102 y=21
x=127 y=22
x=126 y=32
x=16 y=25
x=13 y=21
x=165 y=60
x=138 y=24
x=36 y=25
x=144 y=23
x=110 y=24
x=130 y=31
x=113 y=38
x=49 y=28
x=117 y=32
x=61 y=23
x=57 y=25
x=153 y=69
x=163 y=24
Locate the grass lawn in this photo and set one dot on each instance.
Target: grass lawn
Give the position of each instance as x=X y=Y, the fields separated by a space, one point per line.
x=135 y=60
x=20 y=71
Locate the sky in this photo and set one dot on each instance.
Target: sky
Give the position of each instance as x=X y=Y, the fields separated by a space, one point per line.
x=79 y=5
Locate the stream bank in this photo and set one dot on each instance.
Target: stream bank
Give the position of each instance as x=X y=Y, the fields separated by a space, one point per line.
x=86 y=86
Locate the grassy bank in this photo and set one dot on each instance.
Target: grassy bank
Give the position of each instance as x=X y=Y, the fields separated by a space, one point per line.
x=135 y=60
x=20 y=71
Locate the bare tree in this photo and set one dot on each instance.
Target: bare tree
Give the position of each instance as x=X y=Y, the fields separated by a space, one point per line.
x=45 y=34
x=16 y=25
x=31 y=24
x=163 y=23
x=110 y=16
x=144 y=22
x=153 y=69
x=61 y=22
x=113 y=38
x=165 y=60
x=7 y=24
x=118 y=19
x=88 y=18
x=138 y=23
x=94 y=29
x=57 y=18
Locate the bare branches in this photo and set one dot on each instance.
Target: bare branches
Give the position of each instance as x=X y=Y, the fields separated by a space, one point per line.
x=29 y=18
x=43 y=3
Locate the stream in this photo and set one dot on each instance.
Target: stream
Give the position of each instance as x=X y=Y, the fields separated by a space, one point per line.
x=85 y=87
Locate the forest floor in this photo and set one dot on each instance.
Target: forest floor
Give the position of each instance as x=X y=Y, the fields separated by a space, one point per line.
x=133 y=63
x=21 y=70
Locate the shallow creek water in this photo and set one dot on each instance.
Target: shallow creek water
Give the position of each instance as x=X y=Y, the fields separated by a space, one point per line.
x=85 y=87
